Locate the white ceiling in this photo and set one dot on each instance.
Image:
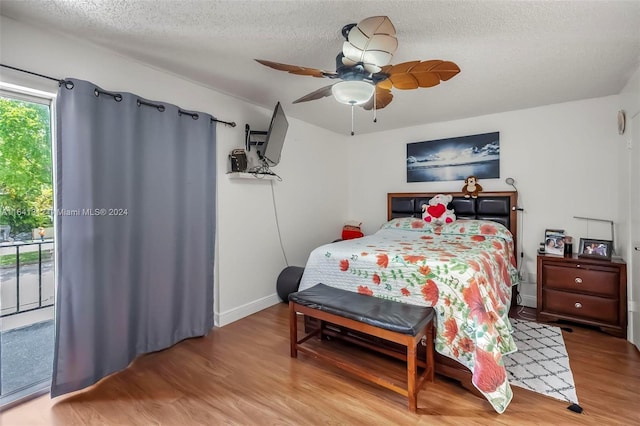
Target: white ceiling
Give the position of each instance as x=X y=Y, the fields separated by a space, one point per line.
x=512 y=54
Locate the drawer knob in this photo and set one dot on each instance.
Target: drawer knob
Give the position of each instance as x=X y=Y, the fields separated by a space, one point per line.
x=578 y=280
x=578 y=305
x=578 y=265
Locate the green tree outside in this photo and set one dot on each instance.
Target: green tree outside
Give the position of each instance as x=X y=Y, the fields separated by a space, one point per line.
x=26 y=191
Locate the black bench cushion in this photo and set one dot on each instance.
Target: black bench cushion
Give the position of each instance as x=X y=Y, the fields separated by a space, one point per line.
x=387 y=314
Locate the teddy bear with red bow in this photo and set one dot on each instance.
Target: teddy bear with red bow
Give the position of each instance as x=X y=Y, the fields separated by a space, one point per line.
x=436 y=212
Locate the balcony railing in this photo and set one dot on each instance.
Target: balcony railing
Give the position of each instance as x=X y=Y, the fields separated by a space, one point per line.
x=28 y=278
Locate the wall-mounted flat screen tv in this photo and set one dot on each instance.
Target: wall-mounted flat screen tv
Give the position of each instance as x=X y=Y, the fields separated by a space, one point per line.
x=272 y=147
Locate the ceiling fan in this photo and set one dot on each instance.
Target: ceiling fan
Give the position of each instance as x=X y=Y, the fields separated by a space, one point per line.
x=363 y=68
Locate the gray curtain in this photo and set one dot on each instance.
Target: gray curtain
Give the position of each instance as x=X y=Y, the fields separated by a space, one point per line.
x=135 y=208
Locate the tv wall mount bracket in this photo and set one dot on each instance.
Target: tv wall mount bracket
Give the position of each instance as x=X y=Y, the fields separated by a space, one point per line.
x=254 y=137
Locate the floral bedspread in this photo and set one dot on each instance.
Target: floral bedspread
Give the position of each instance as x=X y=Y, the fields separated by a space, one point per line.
x=464 y=269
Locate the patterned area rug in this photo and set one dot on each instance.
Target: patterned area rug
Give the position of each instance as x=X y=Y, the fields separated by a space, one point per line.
x=541 y=363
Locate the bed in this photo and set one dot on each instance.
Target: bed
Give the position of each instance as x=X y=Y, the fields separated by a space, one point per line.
x=465 y=270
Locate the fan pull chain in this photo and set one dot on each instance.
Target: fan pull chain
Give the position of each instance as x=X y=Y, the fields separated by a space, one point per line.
x=352 y=106
x=375 y=119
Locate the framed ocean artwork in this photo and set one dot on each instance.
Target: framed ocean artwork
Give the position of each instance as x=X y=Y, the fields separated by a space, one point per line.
x=454 y=158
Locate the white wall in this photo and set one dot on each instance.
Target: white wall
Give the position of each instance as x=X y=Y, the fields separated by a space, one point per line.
x=565 y=159
x=630 y=103
x=310 y=200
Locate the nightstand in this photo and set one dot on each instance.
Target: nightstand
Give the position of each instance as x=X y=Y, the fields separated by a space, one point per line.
x=583 y=290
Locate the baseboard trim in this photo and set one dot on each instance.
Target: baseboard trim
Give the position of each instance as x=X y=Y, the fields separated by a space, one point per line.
x=223 y=318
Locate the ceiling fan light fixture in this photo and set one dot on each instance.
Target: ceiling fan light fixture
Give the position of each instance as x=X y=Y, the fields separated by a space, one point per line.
x=373 y=41
x=385 y=43
x=377 y=25
x=353 y=92
x=373 y=59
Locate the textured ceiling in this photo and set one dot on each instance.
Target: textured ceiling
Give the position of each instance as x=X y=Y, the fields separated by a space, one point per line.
x=512 y=54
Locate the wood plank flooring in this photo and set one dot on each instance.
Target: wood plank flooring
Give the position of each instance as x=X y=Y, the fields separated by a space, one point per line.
x=242 y=374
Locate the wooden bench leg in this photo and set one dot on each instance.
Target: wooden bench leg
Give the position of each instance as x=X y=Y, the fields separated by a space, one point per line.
x=414 y=383
x=431 y=366
x=293 y=330
x=412 y=358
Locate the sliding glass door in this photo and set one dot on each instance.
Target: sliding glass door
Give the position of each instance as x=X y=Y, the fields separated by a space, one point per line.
x=27 y=282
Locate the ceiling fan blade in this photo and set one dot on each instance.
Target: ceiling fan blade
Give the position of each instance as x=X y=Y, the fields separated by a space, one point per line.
x=383 y=98
x=385 y=84
x=415 y=74
x=446 y=69
x=317 y=94
x=372 y=42
x=294 y=69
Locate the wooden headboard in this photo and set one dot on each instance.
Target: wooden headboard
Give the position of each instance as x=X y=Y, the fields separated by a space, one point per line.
x=496 y=206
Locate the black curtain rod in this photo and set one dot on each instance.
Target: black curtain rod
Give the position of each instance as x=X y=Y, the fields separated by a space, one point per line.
x=227 y=123
x=61 y=82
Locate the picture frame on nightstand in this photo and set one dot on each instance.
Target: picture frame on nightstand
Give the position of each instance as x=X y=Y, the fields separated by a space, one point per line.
x=554 y=242
x=596 y=249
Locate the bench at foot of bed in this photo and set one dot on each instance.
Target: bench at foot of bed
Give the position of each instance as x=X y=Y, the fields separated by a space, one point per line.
x=400 y=323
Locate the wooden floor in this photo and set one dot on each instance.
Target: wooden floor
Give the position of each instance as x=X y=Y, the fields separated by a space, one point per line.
x=242 y=374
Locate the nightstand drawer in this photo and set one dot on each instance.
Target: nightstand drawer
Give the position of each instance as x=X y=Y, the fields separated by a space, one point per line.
x=582 y=306
x=598 y=282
